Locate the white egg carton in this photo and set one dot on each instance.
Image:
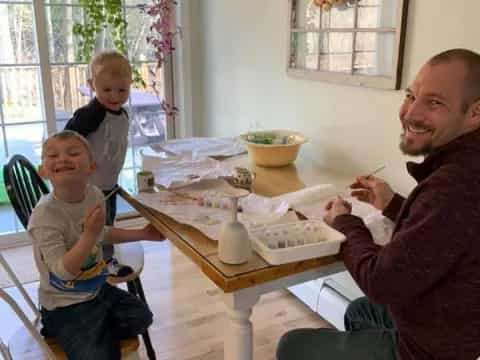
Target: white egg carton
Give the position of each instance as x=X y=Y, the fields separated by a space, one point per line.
x=295 y=241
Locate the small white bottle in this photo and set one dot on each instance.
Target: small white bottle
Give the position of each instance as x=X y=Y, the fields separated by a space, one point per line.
x=234 y=246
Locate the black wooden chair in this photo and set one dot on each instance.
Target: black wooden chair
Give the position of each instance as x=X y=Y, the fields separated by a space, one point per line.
x=25 y=188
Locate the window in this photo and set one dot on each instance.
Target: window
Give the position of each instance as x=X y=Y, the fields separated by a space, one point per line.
x=24 y=100
x=360 y=43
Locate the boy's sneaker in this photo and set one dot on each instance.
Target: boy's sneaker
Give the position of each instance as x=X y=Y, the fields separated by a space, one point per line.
x=116 y=269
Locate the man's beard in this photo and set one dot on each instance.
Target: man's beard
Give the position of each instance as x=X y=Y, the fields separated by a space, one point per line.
x=425 y=150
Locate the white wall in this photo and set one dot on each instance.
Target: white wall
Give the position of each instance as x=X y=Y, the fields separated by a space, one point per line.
x=238 y=65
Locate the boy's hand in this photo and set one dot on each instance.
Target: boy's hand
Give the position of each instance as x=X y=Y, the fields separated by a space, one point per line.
x=94 y=221
x=151 y=233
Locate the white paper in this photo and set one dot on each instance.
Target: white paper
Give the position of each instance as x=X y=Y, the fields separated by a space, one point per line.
x=203 y=146
x=380 y=226
x=176 y=171
x=182 y=205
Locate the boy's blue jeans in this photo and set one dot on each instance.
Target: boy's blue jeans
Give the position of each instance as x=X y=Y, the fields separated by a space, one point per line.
x=369 y=335
x=93 y=329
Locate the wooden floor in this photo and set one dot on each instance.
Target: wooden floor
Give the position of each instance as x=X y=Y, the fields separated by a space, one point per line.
x=189 y=314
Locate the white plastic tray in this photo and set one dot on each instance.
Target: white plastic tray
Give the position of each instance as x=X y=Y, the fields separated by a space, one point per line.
x=300 y=240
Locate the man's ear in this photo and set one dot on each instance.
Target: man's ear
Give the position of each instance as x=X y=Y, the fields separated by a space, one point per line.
x=476 y=112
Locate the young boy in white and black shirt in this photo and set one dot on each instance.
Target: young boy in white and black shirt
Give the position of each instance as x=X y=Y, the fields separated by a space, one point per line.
x=104 y=123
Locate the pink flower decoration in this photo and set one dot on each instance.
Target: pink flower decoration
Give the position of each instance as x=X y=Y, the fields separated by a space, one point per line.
x=161 y=38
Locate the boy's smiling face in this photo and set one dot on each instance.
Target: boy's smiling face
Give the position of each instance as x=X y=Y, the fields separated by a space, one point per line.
x=111 y=91
x=66 y=162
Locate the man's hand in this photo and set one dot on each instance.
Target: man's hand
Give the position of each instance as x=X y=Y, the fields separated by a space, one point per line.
x=336 y=207
x=372 y=190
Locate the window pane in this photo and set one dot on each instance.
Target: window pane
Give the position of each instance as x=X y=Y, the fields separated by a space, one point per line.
x=3 y=155
x=372 y=2
x=8 y=219
x=147 y=125
x=134 y=2
x=306 y=51
x=20 y=94
x=62 y=44
x=127 y=179
x=336 y=42
x=62 y=2
x=70 y=91
x=336 y=52
x=26 y=140
x=307 y=14
x=366 y=41
x=338 y=18
x=336 y=62
x=16 y=35
x=368 y=17
x=365 y=63
x=388 y=13
x=371 y=57
x=150 y=75
x=137 y=30
x=147 y=119
x=7 y=216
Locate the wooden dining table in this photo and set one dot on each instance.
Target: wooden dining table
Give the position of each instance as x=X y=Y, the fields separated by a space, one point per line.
x=242 y=285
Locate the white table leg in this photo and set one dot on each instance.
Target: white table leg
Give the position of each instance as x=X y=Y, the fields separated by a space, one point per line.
x=238 y=341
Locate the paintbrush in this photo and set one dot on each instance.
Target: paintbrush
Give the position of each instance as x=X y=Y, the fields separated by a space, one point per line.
x=376 y=171
x=114 y=190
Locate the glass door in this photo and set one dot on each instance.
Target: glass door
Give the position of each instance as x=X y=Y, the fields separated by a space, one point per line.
x=23 y=101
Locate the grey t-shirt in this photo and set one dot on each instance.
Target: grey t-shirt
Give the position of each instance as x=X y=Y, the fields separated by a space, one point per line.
x=54 y=227
x=109 y=146
x=107 y=133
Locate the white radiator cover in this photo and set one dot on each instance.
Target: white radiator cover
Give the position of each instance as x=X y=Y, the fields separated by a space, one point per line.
x=329 y=296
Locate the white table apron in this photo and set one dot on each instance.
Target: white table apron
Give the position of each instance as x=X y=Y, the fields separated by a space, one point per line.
x=238 y=341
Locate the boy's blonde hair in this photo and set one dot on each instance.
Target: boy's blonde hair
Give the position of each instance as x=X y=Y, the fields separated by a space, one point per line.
x=111 y=62
x=67 y=135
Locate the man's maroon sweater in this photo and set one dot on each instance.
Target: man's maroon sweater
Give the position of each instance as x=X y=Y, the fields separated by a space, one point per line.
x=429 y=274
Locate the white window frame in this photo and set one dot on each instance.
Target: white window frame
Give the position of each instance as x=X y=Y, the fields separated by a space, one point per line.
x=381 y=82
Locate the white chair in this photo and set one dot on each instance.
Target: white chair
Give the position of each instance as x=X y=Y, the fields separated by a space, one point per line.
x=29 y=342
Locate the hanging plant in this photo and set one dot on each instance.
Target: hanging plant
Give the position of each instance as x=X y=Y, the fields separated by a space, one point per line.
x=161 y=39
x=99 y=15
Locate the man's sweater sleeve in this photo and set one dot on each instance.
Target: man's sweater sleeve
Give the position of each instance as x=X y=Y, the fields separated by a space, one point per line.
x=411 y=262
x=393 y=208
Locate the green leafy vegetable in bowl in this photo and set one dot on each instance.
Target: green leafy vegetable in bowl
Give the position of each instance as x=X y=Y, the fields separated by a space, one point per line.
x=268 y=139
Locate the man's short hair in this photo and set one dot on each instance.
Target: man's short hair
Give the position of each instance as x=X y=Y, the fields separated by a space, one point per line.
x=110 y=62
x=471 y=60
x=67 y=135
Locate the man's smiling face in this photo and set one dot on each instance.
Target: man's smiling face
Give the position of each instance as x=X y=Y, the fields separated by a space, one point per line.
x=433 y=112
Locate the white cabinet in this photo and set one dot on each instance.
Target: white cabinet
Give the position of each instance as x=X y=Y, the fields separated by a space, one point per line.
x=329 y=296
